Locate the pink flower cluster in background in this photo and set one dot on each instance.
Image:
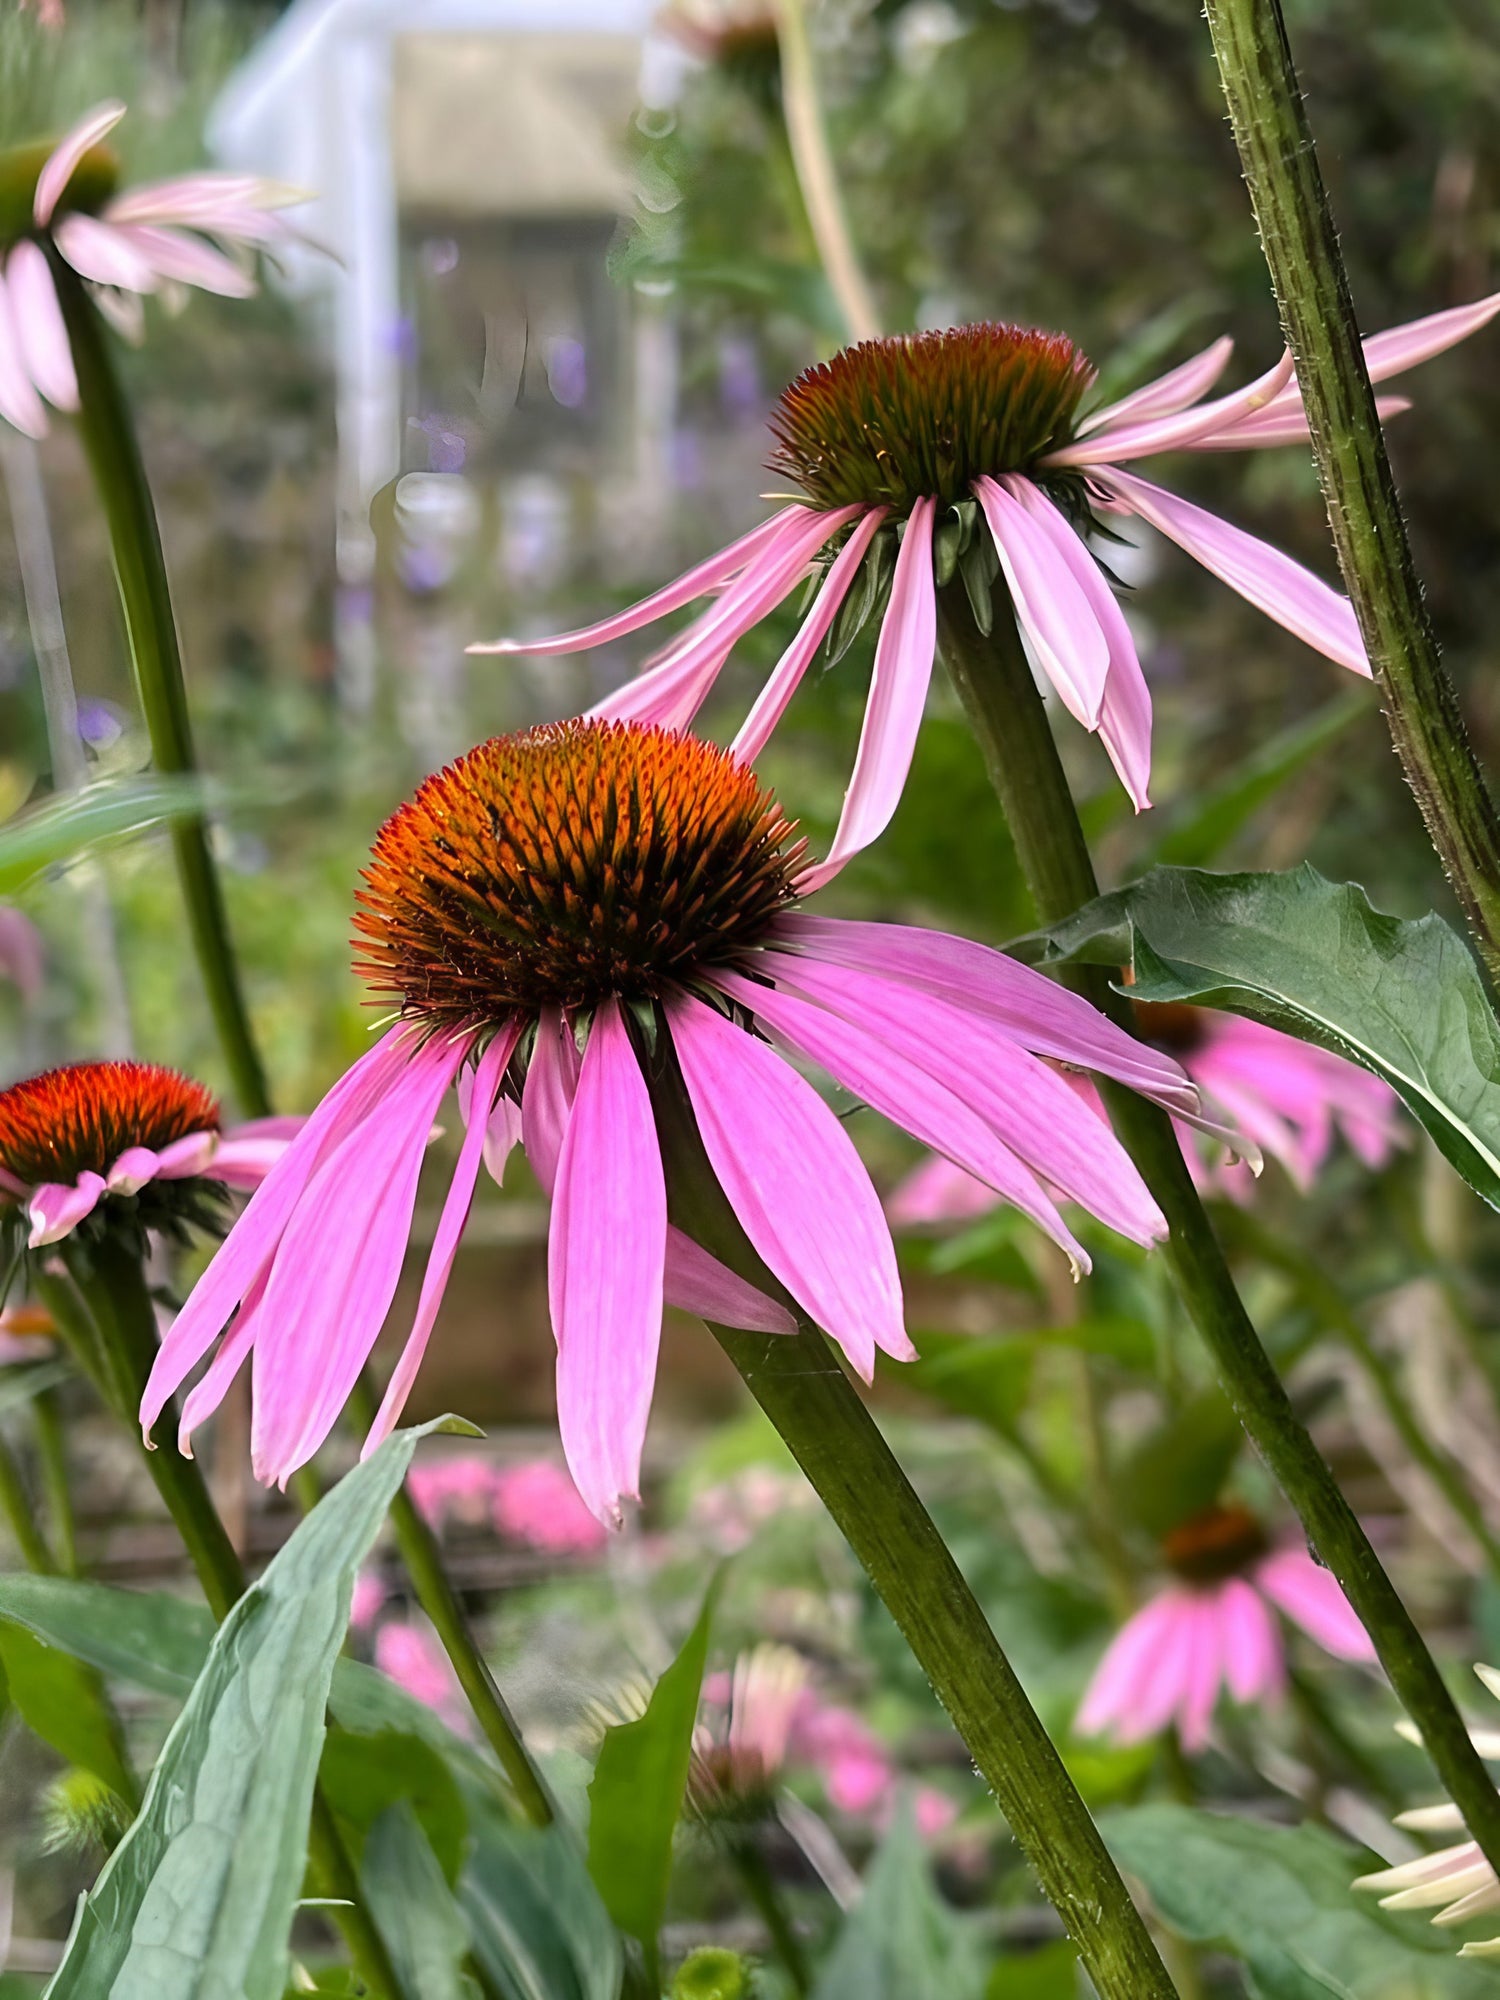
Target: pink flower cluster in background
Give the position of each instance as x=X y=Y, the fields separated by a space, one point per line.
x=533 y=1503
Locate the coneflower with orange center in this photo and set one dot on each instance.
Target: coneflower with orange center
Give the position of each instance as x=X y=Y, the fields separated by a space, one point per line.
x=971 y=453
x=561 y=914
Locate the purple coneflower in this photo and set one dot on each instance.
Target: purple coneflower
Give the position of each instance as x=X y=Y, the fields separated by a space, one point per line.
x=126 y=243
x=76 y=1142
x=561 y=914
x=966 y=453
x=1285 y=1096
x=1215 y=1628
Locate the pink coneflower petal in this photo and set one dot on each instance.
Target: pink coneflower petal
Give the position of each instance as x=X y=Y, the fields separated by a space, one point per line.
x=187 y=260
x=450 y=1228
x=1050 y=605
x=605 y=1256
x=229 y=1357
x=792 y=1176
x=64 y=160
x=1039 y=1014
x=894 y=1085
x=19 y=402
x=1128 y=1664
x=1169 y=393
x=1282 y=423
x=251 y=1244
x=1402 y=347
x=184 y=1159
x=338 y=1265
x=1252 y=1644
x=1119 y=443
x=98 y=251
x=696 y=582
x=216 y=202
x=1204 y=1672
x=1165 y=1685
x=53 y=1209
x=1311 y=1597
x=698 y=1283
x=771 y=703
x=135 y=1167
x=547 y=1095
x=904 y=655
x=40 y=332
x=937 y=1191
x=1283 y=589
x=244 y=1159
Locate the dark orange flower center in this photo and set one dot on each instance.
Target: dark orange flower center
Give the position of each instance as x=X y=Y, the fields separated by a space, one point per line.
x=1218 y=1543
x=66 y=1122
x=889 y=421
x=566 y=863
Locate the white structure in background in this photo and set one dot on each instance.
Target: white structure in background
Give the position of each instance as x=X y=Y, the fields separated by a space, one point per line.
x=501 y=118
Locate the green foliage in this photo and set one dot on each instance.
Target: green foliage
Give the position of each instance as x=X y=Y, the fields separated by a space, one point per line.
x=1181 y=1467
x=712 y=1974
x=1278 y=1899
x=639 y=1783
x=110 y=810
x=367 y=1778
x=539 y=1928
x=56 y=1697
x=199 y=1896
x=408 y=1893
x=901 y=1941
x=1313 y=958
x=1048 y=1974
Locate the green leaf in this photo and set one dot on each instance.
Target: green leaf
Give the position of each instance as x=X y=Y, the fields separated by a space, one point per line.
x=635 y=1799
x=112 y=809
x=364 y=1777
x=1278 y=1898
x=1048 y=1974
x=198 y=1899
x=901 y=1941
x=423 y=1927
x=58 y=1699
x=985 y=1378
x=540 y=1930
x=22 y=1382
x=1180 y=1469
x=1311 y=957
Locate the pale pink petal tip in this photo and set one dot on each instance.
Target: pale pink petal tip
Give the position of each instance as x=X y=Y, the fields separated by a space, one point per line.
x=54 y=1209
x=67 y=156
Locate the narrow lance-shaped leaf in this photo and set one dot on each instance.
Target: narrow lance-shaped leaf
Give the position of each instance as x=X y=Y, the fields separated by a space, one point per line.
x=1311 y=957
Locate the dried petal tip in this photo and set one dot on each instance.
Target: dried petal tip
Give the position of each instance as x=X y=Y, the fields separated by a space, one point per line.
x=892 y=421
x=81 y=1119
x=567 y=863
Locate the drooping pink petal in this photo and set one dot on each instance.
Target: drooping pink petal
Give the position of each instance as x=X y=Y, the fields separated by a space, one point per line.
x=786 y=676
x=1311 y=1596
x=1124 y=719
x=696 y=582
x=337 y=1266
x=184 y=1159
x=1204 y=1673
x=938 y=1191
x=1164 y=1687
x=20 y=404
x=446 y=1237
x=547 y=1095
x=1118 y=444
x=246 y=1155
x=1121 y=1676
x=250 y=1245
x=1253 y=1659
x=697 y=1283
x=1272 y=582
x=1168 y=393
x=135 y=1167
x=792 y=1176
x=605 y=1256
x=217 y=202
x=1282 y=422
x=230 y=1356
x=54 y=1209
x=894 y=1084
x=171 y=253
x=504 y=1133
x=105 y=254
x=1051 y=607
x=64 y=160
x=1038 y=1013
x=39 y=328
x=904 y=655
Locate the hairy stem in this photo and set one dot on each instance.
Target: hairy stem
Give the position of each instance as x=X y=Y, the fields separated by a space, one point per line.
x=816 y=177
x=1006 y=711
x=800 y=1385
x=114 y=457
x=1301 y=247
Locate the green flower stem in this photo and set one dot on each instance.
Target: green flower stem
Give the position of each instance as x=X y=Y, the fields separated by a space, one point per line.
x=1301 y=248
x=1006 y=711
x=435 y=1593
x=52 y=1456
x=760 y=1887
x=816 y=177
x=114 y=457
x=111 y=1285
x=20 y=1516
x=800 y=1385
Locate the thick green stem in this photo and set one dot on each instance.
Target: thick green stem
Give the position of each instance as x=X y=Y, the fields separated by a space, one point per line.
x=435 y=1593
x=799 y=1384
x=114 y=457
x=20 y=1516
x=112 y=1285
x=1301 y=247
x=1000 y=695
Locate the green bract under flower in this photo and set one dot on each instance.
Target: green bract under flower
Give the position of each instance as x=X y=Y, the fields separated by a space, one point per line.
x=890 y=422
x=90 y=186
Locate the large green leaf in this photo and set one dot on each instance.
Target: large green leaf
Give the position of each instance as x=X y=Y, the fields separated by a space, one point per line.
x=59 y=1699
x=113 y=809
x=1278 y=1898
x=901 y=1941
x=197 y=1901
x=365 y=1777
x=423 y=1927
x=540 y=1930
x=1312 y=957
x=635 y=1799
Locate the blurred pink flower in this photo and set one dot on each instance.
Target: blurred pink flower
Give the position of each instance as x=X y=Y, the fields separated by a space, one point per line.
x=894 y=435
x=731 y=1511
x=22 y=958
x=126 y=244
x=413 y=1659
x=460 y=1483
x=1213 y=1629
x=537 y=1504
x=739 y=1752
x=369 y=1595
